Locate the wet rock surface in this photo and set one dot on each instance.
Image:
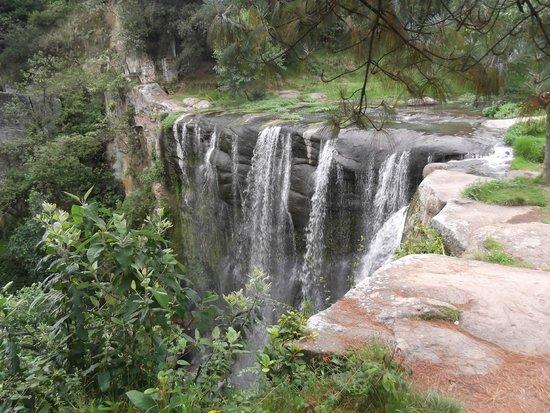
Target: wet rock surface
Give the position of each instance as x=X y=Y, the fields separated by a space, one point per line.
x=504 y=319
x=356 y=150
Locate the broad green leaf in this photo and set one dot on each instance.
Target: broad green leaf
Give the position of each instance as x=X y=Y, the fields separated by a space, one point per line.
x=104 y=380
x=162 y=298
x=142 y=401
x=216 y=333
x=94 y=252
x=124 y=257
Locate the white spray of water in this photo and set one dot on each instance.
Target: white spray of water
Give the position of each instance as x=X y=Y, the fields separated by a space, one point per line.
x=266 y=213
x=392 y=191
x=313 y=258
x=384 y=244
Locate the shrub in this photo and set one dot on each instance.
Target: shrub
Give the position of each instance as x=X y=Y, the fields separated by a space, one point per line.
x=529 y=148
x=421 y=240
x=503 y=110
x=107 y=318
x=533 y=128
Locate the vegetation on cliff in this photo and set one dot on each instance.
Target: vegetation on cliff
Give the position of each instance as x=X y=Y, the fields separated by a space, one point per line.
x=97 y=314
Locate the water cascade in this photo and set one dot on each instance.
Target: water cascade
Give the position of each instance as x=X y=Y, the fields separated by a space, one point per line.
x=313 y=258
x=393 y=188
x=384 y=244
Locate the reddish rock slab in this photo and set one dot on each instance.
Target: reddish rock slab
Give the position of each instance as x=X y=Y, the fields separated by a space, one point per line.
x=496 y=358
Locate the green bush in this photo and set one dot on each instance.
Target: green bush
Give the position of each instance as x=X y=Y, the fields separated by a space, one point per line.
x=421 y=240
x=529 y=148
x=503 y=110
x=532 y=128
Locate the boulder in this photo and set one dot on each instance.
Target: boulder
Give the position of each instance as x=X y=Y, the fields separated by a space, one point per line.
x=202 y=104
x=439 y=187
x=190 y=101
x=317 y=97
x=288 y=94
x=461 y=219
x=425 y=101
x=498 y=345
x=527 y=242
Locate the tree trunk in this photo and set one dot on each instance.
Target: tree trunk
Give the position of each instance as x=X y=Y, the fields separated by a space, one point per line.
x=546 y=164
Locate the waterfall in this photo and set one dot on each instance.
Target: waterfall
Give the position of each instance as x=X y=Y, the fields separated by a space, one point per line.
x=313 y=259
x=209 y=170
x=393 y=188
x=269 y=224
x=181 y=144
x=384 y=244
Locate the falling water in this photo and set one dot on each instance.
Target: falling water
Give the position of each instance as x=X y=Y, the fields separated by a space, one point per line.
x=269 y=224
x=393 y=188
x=384 y=244
x=209 y=169
x=313 y=259
x=181 y=144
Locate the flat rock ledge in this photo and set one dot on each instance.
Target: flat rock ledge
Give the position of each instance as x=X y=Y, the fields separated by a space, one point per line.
x=496 y=358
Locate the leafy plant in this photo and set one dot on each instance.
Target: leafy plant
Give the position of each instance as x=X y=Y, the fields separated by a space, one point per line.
x=421 y=239
x=112 y=304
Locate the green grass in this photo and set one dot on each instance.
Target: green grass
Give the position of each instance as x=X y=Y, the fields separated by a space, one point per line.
x=367 y=380
x=441 y=312
x=421 y=240
x=167 y=123
x=519 y=163
x=307 y=77
x=518 y=191
x=528 y=140
x=495 y=253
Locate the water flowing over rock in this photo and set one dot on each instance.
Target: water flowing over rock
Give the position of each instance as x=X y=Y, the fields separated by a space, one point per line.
x=267 y=221
x=384 y=244
x=291 y=202
x=393 y=187
x=313 y=259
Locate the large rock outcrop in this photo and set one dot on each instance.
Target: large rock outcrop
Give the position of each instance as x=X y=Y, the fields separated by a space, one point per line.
x=495 y=358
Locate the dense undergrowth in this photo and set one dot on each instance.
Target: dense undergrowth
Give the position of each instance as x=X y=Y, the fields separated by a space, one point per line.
x=115 y=315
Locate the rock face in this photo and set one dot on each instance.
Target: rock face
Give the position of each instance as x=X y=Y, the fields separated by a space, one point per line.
x=357 y=150
x=439 y=187
x=495 y=358
x=465 y=224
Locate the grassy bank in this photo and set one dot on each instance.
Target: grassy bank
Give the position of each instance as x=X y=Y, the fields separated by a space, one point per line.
x=528 y=140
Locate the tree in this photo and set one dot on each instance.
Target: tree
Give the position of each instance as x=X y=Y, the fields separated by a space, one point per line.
x=417 y=43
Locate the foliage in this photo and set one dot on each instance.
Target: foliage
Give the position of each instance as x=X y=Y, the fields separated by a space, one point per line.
x=421 y=239
x=168 y=122
x=503 y=110
x=167 y=26
x=528 y=140
x=114 y=298
x=141 y=201
x=518 y=191
x=495 y=253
